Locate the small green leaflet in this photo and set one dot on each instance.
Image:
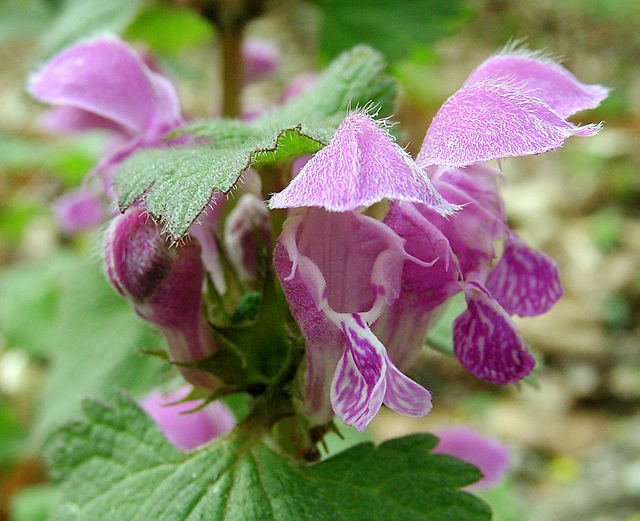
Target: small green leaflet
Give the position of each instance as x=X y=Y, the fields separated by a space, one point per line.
x=178 y=183
x=115 y=465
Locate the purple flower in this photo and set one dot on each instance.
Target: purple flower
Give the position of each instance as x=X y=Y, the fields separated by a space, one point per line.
x=366 y=292
x=261 y=57
x=340 y=269
x=103 y=84
x=164 y=284
x=79 y=210
x=184 y=424
x=514 y=104
x=490 y=456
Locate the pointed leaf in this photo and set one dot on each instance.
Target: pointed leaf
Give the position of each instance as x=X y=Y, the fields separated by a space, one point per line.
x=116 y=466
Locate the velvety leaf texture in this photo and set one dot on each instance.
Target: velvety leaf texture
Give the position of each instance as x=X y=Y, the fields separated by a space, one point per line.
x=116 y=466
x=178 y=183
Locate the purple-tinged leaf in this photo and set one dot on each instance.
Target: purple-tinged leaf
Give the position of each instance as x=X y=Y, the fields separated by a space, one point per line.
x=543 y=79
x=360 y=166
x=487 y=342
x=492 y=120
x=524 y=281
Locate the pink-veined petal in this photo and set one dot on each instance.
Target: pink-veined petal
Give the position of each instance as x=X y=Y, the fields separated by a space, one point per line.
x=360 y=166
x=359 y=383
x=405 y=396
x=524 y=281
x=492 y=120
x=487 y=342
x=543 y=79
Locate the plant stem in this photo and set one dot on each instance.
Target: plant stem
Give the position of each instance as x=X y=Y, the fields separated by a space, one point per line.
x=232 y=68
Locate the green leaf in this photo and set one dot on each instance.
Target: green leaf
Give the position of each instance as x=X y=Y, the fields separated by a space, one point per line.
x=20 y=18
x=116 y=466
x=394 y=28
x=70 y=159
x=12 y=434
x=86 y=332
x=84 y=18
x=170 y=29
x=34 y=503
x=178 y=183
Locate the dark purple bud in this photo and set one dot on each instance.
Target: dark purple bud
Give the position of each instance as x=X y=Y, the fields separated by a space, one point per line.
x=164 y=284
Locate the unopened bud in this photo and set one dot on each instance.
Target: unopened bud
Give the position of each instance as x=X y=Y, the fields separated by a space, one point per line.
x=247 y=233
x=164 y=284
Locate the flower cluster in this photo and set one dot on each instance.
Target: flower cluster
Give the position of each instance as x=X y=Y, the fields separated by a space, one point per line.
x=364 y=291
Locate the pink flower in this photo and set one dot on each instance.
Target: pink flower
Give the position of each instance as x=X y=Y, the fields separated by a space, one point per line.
x=490 y=456
x=164 y=284
x=186 y=424
x=366 y=292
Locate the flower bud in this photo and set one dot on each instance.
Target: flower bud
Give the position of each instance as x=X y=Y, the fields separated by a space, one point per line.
x=247 y=233
x=164 y=284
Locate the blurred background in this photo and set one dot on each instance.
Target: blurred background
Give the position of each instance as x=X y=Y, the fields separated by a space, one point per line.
x=574 y=430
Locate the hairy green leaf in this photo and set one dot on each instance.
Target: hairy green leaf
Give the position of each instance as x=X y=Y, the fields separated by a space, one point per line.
x=116 y=466
x=178 y=183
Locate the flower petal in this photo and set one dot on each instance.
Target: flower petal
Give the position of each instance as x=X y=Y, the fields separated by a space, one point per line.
x=472 y=231
x=403 y=326
x=104 y=76
x=524 y=281
x=543 y=79
x=492 y=120
x=360 y=166
x=405 y=396
x=71 y=119
x=183 y=424
x=334 y=263
x=359 y=384
x=490 y=456
x=487 y=342
x=79 y=210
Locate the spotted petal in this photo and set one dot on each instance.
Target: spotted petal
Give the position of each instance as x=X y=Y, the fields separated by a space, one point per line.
x=366 y=377
x=492 y=120
x=524 y=281
x=543 y=79
x=487 y=342
x=360 y=166
x=359 y=384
